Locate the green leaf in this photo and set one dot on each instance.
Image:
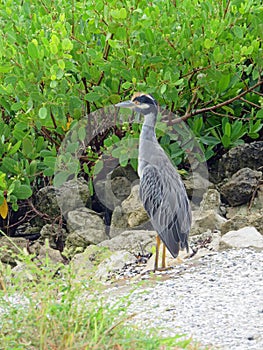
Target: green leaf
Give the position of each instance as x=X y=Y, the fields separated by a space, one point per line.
x=238 y=31
x=123 y=159
x=15 y=148
x=10 y=165
x=98 y=167
x=27 y=146
x=227 y=129
x=23 y=192
x=50 y=162
x=42 y=113
x=122 y=13
x=32 y=50
x=108 y=142
x=82 y=133
x=224 y=82
x=163 y=89
x=116 y=153
x=60 y=178
x=67 y=44
x=226 y=141
x=208 y=43
x=260 y=114
x=5 y=69
x=92 y=97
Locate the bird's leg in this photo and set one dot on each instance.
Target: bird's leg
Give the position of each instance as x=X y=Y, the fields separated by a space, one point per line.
x=158 y=242
x=163 y=257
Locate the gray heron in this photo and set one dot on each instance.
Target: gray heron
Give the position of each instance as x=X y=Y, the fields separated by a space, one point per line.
x=162 y=191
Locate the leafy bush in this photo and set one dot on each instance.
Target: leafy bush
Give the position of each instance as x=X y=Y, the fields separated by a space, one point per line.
x=63 y=60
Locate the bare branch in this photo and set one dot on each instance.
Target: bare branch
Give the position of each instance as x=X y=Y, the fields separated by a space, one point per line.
x=219 y=105
x=250 y=103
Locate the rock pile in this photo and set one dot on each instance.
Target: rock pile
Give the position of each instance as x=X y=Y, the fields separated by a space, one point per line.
x=229 y=215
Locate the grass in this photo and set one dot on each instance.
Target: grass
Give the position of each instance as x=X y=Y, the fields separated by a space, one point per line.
x=45 y=308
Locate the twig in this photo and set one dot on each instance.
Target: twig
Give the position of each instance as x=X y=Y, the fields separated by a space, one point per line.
x=226 y=9
x=42 y=215
x=105 y=57
x=250 y=103
x=219 y=105
x=230 y=116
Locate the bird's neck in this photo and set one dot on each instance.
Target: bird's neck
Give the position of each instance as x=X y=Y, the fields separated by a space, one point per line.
x=148 y=127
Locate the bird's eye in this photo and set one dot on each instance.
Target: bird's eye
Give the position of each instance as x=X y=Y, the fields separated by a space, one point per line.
x=136 y=102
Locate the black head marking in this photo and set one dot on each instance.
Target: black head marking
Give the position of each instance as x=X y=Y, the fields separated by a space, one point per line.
x=148 y=99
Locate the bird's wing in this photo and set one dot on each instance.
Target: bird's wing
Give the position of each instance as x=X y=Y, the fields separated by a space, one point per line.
x=164 y=198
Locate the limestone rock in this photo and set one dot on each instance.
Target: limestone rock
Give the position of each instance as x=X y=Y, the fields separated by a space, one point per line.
x=46 y=202
x=128 y=172
x=72 y=195
x=55 y=234
x=86 y=227
x=114 y=263
x=11 y=247
x=84 y=264
x=211 y=201
x=245 y=237
x=130 y=214
x=133 y=241
x=206 y=220
x=111 y=192
x=52 y=254
x=196 y=186
x=246 y=155
x=240 y=188
x=243 y=219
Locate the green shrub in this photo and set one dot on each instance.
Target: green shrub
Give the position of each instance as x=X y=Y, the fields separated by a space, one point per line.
x=65 y=59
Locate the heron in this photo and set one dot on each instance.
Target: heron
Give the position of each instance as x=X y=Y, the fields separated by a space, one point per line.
x=161 y=190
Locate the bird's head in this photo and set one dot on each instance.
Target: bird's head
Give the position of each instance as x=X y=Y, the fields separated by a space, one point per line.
x=141 y=103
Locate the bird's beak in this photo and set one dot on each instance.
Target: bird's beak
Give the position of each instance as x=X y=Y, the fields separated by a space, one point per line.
x=126 y=104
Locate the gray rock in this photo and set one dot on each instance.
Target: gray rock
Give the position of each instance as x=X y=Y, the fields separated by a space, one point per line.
x=211 y=201
x=242 y=219
x=53 y=255
x=255 y=205
x=10 y=248
x=55 y=234
x=111 y=192
x=46 y=203
x=130 y=214
x=86 y=227
x=206 y=220
x=243 y=238
x=128 y=172
x=196 y=186
x=113 y=264
x=72 y=195
x=84 y=264
x=240 y=188
x=246 y=155
x=133 y=241
x=26 y=230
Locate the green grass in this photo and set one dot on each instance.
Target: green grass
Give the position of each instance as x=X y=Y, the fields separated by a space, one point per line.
x=56 y=312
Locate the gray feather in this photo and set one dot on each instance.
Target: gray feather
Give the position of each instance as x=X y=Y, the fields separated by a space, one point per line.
x=164 y=198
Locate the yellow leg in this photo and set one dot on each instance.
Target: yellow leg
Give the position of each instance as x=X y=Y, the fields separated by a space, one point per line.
x=163 y=257
x=158 y=242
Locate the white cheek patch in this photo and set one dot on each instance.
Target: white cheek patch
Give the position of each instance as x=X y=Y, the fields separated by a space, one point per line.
x=144 y=106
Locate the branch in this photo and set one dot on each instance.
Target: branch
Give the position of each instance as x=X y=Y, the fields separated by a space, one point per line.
x=226 y=9
x=219 y=105
x=250 y=102
x=105 y=57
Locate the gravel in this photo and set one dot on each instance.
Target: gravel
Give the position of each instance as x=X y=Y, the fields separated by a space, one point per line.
x=218 y=302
